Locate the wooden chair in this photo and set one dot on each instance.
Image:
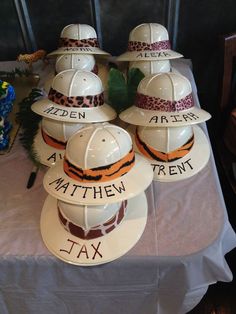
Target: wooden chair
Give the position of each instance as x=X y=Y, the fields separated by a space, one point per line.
x=228 y=53
x=227 y=104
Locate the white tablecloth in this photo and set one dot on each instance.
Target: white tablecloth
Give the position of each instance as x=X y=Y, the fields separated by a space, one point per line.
x=168 y=271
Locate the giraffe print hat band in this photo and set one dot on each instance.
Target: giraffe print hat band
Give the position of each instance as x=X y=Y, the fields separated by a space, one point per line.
x=94 y=231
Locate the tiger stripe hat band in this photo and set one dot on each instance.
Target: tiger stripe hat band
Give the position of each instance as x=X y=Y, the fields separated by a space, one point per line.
x=88 y=101
x=102 y=173
x=154 y=154
x=158 y=104
x=53 y=142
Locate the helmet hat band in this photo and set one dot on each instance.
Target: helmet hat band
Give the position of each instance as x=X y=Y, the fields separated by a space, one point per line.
x=69 y=42
x=159 y=104
x=101 y=173
x=151 y=153
x=97 y=231
x=88 y=101
x=51 y=141
x=141 y=45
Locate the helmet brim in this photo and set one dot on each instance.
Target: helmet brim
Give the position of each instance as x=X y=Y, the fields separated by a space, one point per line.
x=58 y=184
x=110 y=247
x=49 y=109
x=153 y=118
x=147 y=55
x=78 y=50
x=185 y=167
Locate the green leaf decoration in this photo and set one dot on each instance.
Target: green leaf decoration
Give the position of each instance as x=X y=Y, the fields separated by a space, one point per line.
x=117 y=91
x=133 y=79
x=122 y=90
x=29 y=123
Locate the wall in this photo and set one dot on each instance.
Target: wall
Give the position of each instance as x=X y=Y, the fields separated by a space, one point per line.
x=194 y=27
x=31 y=25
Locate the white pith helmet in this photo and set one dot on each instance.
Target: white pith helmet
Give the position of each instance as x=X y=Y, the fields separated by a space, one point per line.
x=84 y=62
x=74 y=82
x=105 y=158
x=62 y=131
x=149 y=33
x=75 y=61
x=75 y=96
x=175 y=153
x=151 y=67
x=165 y=139
x=78 y=38
x=166 y=86
x=87 y=216
x=52 y=138
x=98 y=245
x=98 y=146
x=78 y=31
x=164 y=99
x=153 y=40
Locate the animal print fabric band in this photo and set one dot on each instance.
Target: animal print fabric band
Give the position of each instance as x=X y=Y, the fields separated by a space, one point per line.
x=158 y=104
x=69 y=42
x=102 y=173
x=151 y=153
x=89 y=101
x=53 y=142
x=141 y=45
x=97 y=231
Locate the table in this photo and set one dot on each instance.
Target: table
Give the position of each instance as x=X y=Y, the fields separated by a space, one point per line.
x=180 y=253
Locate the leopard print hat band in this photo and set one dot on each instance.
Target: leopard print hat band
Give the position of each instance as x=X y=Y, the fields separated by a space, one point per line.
x=88 y=101
x=158 y=104
x=69 y=42
x=156 y=46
